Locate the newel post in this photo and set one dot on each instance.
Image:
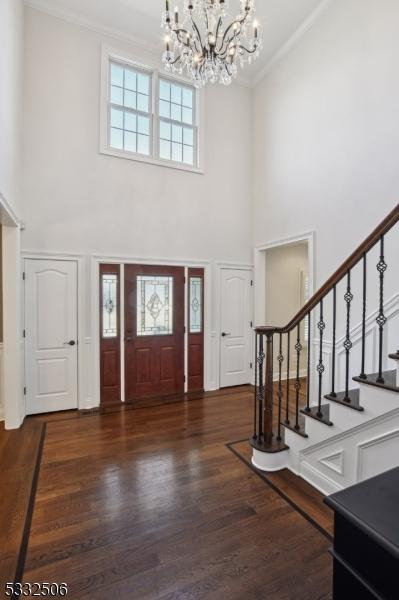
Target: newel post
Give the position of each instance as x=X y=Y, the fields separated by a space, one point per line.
x=268 y=410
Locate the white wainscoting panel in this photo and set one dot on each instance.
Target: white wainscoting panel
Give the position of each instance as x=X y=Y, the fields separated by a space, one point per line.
x=354 y=455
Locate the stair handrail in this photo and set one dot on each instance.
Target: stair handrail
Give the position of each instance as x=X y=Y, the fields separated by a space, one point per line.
x=383 y=228
x=266 y=348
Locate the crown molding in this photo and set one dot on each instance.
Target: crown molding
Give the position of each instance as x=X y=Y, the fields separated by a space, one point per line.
x=292 y=41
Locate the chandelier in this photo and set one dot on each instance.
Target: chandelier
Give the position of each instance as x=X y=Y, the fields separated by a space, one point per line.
x=200 y=45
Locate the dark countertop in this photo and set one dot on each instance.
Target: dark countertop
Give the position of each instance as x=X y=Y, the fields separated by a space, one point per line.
x=373 y=507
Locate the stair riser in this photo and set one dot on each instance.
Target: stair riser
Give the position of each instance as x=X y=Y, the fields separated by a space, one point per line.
x=296 y=444
x=377 y=401
x=344 y=418
x=318 y=431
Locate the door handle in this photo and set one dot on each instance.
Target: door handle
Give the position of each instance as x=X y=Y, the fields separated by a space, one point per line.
x=224 y=334
x=71 y=343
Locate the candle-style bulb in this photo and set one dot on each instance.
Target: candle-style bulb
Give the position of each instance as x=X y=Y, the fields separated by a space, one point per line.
x=256 y=29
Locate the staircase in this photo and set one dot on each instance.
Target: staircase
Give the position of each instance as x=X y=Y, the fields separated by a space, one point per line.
x=348 y=430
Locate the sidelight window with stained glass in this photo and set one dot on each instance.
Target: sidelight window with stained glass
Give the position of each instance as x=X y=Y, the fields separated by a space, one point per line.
x=195 y=304
x=154 y=305
x=109 y=284
x=129 y=109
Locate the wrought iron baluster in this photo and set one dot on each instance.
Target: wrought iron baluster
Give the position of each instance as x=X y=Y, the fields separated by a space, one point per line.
x=334 y=349
x=256 y=387
x=280 y=359
x=348 y=343
x=261 y=388
x=308 y=367
x=298 y=348
x=287 y=401
x=363 y=369
x=320 y=367
x=381 y=319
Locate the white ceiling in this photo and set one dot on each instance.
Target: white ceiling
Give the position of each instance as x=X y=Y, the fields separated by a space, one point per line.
x=140 y=19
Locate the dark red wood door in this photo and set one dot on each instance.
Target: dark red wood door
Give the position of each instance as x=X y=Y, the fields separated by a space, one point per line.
x=154 y=331
x=110 y=355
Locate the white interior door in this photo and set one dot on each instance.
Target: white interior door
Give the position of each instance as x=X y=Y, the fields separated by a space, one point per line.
x=235 y=345
x=51 y=327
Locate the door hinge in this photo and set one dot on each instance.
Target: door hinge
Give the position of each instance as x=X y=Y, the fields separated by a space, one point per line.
x=24 y=333
x=23 y=276
x=251 y=324
x=251 y=365
x=25 y=391
x=252 y=282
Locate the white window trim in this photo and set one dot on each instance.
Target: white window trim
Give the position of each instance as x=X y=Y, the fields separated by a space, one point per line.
x=108 y=54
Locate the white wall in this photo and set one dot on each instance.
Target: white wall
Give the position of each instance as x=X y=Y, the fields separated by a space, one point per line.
x=326 y=132
x=80 y=201
x=11 y=71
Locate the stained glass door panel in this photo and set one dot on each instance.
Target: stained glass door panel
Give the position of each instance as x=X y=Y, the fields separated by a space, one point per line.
x=196 y=330
x=154 y=331
x=110 y=355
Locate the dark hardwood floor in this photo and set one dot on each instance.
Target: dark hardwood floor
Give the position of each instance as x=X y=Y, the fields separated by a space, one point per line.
x=150 y=503
x=19 y=463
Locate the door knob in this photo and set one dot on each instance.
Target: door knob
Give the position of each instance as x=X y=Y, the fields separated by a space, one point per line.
x=224 y=334
x=71 y=343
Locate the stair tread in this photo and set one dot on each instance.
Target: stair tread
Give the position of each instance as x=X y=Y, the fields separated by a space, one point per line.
x=271 y=447
x=389 y=381
x=301 y=431
x=353 y=400
x=325 y=411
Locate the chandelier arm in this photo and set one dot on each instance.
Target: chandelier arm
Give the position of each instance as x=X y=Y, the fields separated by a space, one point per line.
x=194 y=24
x=179 y=32
x=241 y=47
x=173 y=62
x=218 y=27
x=223 y=51
x=237 y=21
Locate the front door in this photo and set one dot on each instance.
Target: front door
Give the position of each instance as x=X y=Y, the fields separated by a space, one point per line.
x=235 y=346
x=51 y=325
x=154 y=331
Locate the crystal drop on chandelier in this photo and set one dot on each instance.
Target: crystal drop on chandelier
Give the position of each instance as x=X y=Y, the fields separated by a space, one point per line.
x=206 y=48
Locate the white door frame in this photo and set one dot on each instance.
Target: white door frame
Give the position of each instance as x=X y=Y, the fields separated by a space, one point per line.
x=260 y=270
x=96 y=260
x=12 y=386
x=216 y=333
x=78 y=259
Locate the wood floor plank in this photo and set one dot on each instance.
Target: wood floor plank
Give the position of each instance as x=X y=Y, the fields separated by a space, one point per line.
x=150 y=503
